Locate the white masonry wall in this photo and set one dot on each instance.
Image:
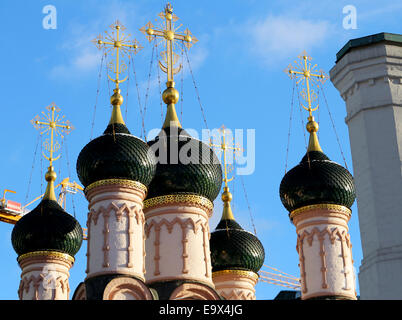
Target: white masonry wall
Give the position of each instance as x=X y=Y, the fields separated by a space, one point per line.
x=44 y=278
x=369 y=79
x=177 y=244
x=235 y=284
x=115 y=225
x=325 y=253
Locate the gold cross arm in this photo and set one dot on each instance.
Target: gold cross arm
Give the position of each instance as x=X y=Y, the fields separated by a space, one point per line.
x=225 y=147
x=304 y=72
x=170 y=34
x=307 y=74
x=54 y=126
x=122 y=45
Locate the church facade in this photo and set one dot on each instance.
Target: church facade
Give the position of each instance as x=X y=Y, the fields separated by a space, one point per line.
x=148 y=220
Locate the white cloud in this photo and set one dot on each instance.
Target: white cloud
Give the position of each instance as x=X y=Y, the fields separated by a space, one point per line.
x=81 y=62
x=87 y=60
x=277 y=38
x=82 y=56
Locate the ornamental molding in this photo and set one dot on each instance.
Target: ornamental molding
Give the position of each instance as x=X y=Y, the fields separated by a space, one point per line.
x=184 y=224
x=194 y=291
x=125 y=285
x=25 y=284
x=319 y=209
x=334 y=233
x=353 y=114
x=369 y=82
x=45 y=256
x=59 y=282
x=179 y=199
x=119 y=212
x=302 y=225
x=116 y=182
x=28 y=270
x=238 y=294
x=237 y=273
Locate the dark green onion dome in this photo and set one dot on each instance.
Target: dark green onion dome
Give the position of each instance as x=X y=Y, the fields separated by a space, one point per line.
x=47 y=228
x=232 y=247
x=116 y=155
x=317 y=180
x=185 y=165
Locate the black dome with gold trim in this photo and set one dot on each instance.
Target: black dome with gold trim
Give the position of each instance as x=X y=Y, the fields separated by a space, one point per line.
x=232 y=247
x=47 y=228
x=316 y=179
x=200 y=173
x=116 y=155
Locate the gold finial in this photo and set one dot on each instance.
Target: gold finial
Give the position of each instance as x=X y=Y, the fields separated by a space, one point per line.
x=169 y=35
x=306 y=74
x=171 y=96
x=226 y=195
x=52 y=125
x=121 y=46
x=313 y=143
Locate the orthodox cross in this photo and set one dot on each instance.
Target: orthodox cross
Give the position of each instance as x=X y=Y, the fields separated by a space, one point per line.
x=225 y=148
x=122 y=44
x=169 y=33
x=51 y=124
x=308 y=75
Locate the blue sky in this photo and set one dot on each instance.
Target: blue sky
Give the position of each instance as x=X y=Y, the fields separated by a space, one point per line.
x=238 y=64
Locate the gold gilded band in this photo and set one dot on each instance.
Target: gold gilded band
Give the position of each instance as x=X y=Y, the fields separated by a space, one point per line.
x=120 y=182
x=51 y=254
x=178 y=198
x=244 y=273
x=335 y=207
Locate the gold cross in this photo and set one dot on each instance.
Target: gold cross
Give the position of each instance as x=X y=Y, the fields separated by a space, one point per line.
x=121 y=43
x=305 y=73
x=225 y=147
x=170 y=34
x=55 y=126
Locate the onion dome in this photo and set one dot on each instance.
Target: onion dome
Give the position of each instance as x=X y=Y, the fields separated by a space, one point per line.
x=185 y=164
x=316 y=179
x=232 y=247
x=47 y=227
x=116 y=154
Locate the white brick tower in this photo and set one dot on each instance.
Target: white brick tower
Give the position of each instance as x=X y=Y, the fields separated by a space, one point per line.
x=368 y=75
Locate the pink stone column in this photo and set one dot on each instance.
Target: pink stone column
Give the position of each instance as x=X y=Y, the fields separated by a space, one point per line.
x=45 y=275
x=177 y=239
x=116 y=243
x=325 y=251
x=235 y=284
